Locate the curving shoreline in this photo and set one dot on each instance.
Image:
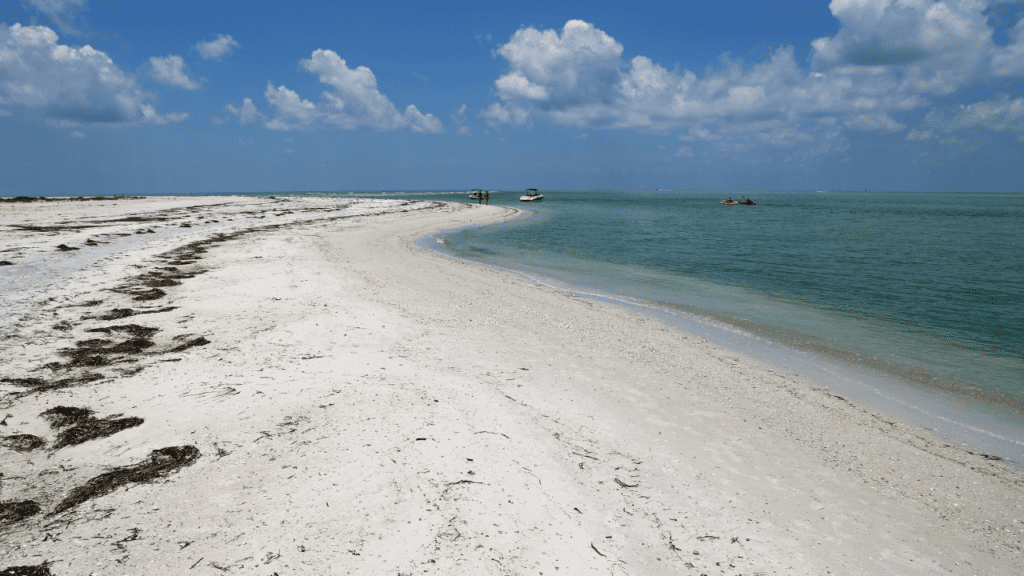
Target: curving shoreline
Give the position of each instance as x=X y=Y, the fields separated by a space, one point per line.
x=362 y=404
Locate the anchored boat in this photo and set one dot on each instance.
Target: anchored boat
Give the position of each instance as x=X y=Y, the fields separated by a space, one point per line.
x=531 y=196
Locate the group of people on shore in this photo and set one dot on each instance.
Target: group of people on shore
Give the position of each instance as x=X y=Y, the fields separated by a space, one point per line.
x=483 y=197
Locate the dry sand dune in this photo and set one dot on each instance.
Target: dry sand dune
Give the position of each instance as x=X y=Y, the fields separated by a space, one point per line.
x=315 y=395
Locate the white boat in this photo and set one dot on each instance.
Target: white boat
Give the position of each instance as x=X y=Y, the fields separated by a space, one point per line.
x=476 y=194
x=531 y=196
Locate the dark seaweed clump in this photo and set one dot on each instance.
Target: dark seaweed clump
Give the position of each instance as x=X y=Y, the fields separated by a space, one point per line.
x=22 y=442
x=93 y=429
x=139 y=219
x=26 y=382
x=133 y=346
x=154 y=280
x=148 y=286
x=64 y=416
x=80 y=426
x=67 y=199
x=187 y=254
x=38 y=384
x=146 y=295
x=66 y=248
x=201 y=341
x=161 y=277
x=133 y=330
x=11 y=512
x=174 y=272
x=117 y=314
x=40 y=570
x=160 y=463
x=95 y=352
x=6 y=263
x=91 y=360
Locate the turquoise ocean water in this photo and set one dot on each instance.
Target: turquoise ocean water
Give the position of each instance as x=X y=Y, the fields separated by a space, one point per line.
x=910 y=301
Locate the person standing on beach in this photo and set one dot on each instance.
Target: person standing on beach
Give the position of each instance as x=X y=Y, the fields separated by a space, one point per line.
x=487 y=198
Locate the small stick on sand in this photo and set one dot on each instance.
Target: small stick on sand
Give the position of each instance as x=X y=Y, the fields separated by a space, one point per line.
x=672 y=546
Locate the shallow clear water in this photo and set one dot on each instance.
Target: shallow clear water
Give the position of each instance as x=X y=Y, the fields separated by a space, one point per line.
x=927 y=286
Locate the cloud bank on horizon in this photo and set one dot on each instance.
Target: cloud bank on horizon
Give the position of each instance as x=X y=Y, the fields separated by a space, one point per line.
x=891 y=68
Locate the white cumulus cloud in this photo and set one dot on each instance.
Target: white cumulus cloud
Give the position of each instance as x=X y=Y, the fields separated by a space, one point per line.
x=1009 y=60
x=224 y=44
x=496 y=114
x=171 y=70
x=515 y=86
x=578 y=78
x=580 y=56
x=888 y=57
x=930 y=46
x=353 y=101
x=999 y=114
x=69 y=84
x=292 y=111
x=246 y=113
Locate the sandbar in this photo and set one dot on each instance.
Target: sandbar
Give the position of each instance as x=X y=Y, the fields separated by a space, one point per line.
x=302 y=390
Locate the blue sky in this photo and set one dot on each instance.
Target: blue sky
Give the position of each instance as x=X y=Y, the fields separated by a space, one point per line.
x=189 y=97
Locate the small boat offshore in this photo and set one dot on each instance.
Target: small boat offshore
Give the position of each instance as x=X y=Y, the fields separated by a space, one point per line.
x=531 y=196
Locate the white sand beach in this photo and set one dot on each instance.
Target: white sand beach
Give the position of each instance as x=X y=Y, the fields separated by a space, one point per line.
x=339 y=401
